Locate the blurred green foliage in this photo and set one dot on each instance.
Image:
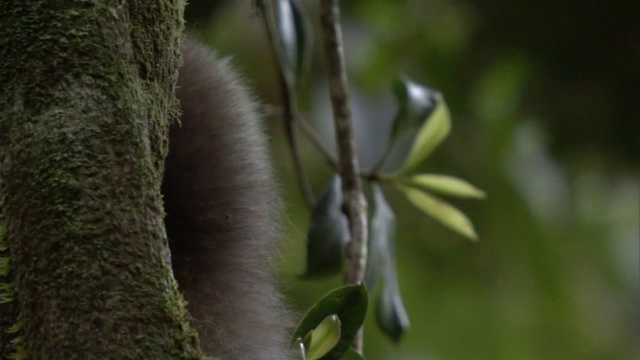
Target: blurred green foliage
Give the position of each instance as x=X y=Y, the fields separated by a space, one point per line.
x=543 y=101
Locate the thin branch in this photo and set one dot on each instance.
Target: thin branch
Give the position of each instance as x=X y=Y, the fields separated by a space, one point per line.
x=355 y=203
x=289 y=99
x=308 y=131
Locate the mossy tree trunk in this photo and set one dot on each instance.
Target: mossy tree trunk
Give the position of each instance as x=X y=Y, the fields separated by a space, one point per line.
x=86 y=94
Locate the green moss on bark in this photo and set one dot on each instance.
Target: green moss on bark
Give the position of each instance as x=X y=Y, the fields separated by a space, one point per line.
x=86 y=99
x=11 y=324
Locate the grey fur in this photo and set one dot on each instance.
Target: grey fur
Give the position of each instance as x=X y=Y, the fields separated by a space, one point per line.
x=222 y=206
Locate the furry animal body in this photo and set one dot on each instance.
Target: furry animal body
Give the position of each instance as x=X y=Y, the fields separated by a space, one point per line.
x=222 y=207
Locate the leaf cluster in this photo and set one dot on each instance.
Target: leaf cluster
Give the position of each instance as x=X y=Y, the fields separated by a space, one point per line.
x=424 y=119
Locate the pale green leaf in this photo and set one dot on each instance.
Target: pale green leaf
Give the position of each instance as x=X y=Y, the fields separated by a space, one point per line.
x=447 y=185
x=324 y=337
x=441 y=211
x=430 y=135
x=350 y=304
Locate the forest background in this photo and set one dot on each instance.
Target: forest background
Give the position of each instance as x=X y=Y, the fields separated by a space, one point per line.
x=543 y=99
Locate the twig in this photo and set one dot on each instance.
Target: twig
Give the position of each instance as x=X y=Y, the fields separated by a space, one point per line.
x=355 y=203
x=289 y=100
x=308 y=131
x=290 y=111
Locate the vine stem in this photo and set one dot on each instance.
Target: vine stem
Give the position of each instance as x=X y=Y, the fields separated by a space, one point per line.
x=355 y=203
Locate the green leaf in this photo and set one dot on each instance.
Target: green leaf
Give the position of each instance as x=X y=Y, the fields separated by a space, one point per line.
x=441 y=211
x=416 y=102
x=328 y=234
x=447 y=185
x=292 y=37
x=391 y=315
x=416 y=105
x=430 y=135
x=352 y=355
x=323 y=338
x=383 y=229
x=292 y=25
x=422 y=123
x=349 y=303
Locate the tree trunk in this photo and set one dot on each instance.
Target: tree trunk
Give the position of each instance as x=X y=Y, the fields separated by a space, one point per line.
x=86 y=94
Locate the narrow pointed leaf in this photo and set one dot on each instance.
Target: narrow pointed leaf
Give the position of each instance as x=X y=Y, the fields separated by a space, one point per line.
x=349 y=303
x=328 y=234
x=430 y=135
x=383 y=229
x=391 y=316
x=324 y=337
x=441 y=211
x=292 y=26
x=288 y=30
x=447 y=185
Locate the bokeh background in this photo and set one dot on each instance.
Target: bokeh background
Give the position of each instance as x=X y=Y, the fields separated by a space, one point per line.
x=544 y=98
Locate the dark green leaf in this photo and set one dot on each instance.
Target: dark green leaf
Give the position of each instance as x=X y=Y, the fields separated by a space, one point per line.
x=416 y=103
x=390 y=313
x=383 y=229
x=352 y=355
x=291 y=41
x=328 y=233
x=422 y=122
x=391 y=316
x=349 y=303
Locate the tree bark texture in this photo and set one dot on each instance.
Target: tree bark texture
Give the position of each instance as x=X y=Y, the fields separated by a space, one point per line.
x=86 y=95
x=355 y=203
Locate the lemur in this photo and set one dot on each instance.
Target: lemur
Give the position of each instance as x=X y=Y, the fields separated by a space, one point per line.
x=222 y=207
